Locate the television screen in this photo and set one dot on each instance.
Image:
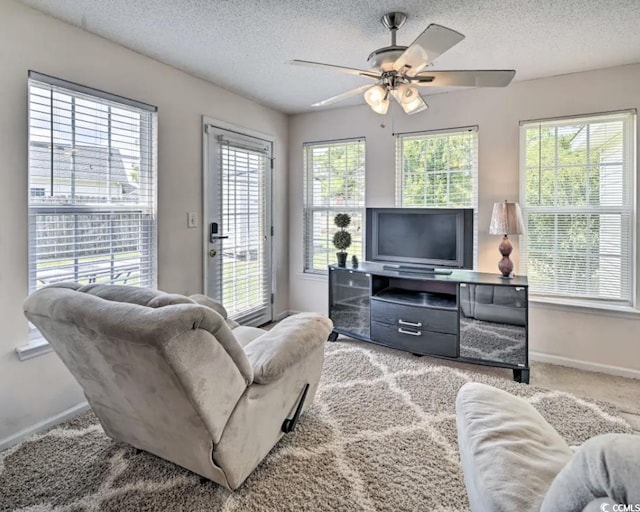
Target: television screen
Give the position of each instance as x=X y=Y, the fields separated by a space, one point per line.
x=410 y=235
x=428 y=237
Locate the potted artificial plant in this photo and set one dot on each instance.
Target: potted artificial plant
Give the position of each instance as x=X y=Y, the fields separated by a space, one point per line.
x=342 y=238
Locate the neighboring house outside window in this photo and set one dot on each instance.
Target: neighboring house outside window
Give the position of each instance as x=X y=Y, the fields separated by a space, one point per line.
x=577 y=179
x=92 y=186
x=439 y=169
x=334 y=183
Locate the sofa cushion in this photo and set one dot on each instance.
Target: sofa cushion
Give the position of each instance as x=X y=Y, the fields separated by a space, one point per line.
x=510 y=454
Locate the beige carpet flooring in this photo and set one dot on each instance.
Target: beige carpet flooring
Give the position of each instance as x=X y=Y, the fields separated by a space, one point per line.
x=380 y=436
x=622 y=392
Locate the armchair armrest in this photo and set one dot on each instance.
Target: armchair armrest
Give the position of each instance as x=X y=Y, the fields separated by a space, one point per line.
x=273 y=353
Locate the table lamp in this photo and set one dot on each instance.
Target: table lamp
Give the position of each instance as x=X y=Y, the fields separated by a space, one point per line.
x=506 y=219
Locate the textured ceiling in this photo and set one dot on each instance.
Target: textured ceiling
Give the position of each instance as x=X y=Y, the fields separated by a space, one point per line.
x=243 y=45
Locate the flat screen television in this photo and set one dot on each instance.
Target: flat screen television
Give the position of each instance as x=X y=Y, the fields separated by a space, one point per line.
x=423 y=237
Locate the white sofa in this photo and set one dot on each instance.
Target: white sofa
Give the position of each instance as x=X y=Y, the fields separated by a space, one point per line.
x=514 y=460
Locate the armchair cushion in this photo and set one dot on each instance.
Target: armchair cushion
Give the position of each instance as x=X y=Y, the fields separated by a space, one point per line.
x=245 y=334
x=605 y=466
x=133 y=295
x=204 y=300
x=287 y=343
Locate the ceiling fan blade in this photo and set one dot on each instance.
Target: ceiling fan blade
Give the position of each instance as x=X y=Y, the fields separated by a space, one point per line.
x=341 y=69
x=465 y=78
x=429 y=45
x=342 y=96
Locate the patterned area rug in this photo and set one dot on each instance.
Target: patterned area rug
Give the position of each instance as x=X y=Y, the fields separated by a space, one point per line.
x=492 y=342
x=380 y=436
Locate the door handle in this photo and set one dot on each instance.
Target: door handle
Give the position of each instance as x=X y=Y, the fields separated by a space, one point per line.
x=213 y=233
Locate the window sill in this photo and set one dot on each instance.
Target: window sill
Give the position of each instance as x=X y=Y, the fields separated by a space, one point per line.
x=581 y=307
x=36 y=347
x=312 y=276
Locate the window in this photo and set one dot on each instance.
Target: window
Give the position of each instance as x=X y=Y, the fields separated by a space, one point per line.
x=334 y=183
x=439 y=169
x=92 y=193
x=578 y=196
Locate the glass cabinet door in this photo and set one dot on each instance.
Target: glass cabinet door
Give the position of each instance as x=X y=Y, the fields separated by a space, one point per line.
x=349 y=293
x=493 y=323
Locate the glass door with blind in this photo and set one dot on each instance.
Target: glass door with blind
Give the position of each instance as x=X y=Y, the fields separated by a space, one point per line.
x=238 y=229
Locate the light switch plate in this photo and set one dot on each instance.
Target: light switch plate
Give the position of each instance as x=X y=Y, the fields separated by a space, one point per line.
x=192 y=220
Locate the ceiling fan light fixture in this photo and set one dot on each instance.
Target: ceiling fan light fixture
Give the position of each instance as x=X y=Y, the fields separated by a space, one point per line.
x=406 y=94
x=375 y=95
x=415 y=106
x=409 y=98
x=412 y=102
x=381 y=107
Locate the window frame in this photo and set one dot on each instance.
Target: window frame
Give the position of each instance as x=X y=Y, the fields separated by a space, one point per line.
x=593 y=303
x=309 y=208
x=145 y=210
x=433 y=134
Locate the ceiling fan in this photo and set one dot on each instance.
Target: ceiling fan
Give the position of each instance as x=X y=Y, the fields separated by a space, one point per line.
x=397 y=70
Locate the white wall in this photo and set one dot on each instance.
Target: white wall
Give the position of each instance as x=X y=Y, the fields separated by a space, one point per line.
x=577 y=335
x=39 y=388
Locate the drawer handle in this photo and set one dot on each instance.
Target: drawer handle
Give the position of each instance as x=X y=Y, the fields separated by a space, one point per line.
x=412 y=333
x=411 y=324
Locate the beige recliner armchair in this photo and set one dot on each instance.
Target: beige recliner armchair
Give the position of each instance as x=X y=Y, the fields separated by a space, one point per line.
x=171 y=375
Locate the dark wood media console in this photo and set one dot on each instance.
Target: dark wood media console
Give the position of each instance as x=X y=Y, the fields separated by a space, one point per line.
x=468 y=316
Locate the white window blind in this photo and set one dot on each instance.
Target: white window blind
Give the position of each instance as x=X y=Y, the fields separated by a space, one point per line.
x=334 y=183
x=92 y=186
x=577 y=180
x=439 y=169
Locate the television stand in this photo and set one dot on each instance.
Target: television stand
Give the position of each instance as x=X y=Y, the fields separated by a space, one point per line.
x=462 y=315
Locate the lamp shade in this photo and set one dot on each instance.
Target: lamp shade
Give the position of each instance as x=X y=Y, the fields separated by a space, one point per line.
x=506 y=219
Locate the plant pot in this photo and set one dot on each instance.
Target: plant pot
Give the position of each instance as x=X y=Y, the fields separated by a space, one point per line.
x=342 y=259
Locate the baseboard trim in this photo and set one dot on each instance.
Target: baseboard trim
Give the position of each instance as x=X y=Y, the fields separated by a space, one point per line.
x=585 y=365
x=43 y=425
x=284 y=314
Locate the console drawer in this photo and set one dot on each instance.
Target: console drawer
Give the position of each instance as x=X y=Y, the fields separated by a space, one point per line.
x=417 y=341
x=414 y=317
